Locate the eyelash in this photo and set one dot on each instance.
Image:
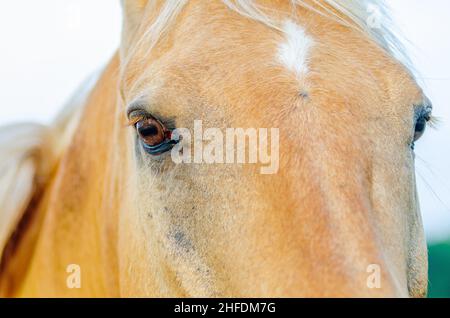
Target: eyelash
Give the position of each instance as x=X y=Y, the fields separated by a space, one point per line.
x=133 y=121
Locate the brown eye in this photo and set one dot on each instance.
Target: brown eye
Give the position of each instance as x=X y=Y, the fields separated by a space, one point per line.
x=154 y=137
x=422 y=119
x=420 y=127
x=151 y=131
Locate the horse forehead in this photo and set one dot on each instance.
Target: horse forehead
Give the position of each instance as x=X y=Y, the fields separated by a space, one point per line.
x=288 y=50
x=299 y=51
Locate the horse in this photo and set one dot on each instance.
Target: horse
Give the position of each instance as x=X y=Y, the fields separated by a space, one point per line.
x=94 y=205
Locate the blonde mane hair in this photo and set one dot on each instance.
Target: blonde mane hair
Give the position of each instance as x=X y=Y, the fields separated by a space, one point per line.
x=29 y=152
x=22 y=149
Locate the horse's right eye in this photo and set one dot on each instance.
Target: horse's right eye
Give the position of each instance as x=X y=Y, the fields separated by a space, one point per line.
x=155 y=138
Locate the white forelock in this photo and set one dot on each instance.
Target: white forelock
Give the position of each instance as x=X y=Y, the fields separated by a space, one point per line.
x=294 y=51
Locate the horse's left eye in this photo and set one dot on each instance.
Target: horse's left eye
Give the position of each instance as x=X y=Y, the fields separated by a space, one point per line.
x=155 y=138
x=421 y=123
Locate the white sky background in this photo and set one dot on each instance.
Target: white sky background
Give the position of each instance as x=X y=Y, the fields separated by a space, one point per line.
x=48 y=47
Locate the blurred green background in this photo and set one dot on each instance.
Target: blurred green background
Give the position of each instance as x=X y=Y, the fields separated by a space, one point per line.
x=439 y=278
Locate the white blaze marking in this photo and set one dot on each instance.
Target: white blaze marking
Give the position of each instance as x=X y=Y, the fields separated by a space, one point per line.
x=294 y=52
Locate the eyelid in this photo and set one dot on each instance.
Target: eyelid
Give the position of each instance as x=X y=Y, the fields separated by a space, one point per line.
x=133 y=120
x=136 y=111
x=424 y=111
x=139 y=110
x=139 y=104
x=426 y=108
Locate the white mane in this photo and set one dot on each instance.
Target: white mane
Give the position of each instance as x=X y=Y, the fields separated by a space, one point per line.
x=22 y=149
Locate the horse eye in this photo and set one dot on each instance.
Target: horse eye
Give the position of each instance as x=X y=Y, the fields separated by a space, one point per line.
x=421 y=124
x=155 y=138
x=151 y=131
